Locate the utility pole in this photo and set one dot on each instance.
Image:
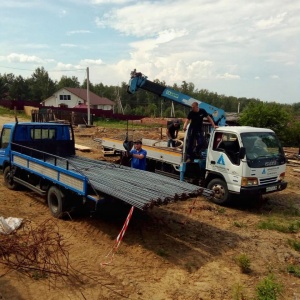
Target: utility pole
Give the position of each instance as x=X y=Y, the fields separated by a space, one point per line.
x=120 y=109
x=172 y=110
x=88 y=95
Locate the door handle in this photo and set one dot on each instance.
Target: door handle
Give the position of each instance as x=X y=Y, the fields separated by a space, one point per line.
x=212 y=162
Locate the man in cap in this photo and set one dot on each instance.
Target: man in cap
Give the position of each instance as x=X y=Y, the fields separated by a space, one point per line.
x=138 y=155
x=172 y=132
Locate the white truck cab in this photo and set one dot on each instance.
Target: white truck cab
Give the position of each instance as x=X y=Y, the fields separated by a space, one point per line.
x=244 y=160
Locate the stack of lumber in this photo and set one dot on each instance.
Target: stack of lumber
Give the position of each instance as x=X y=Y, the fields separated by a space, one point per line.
x=293 y=160
x=82 y=148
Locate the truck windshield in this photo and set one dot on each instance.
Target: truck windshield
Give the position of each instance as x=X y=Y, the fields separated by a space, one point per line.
x=262 y=149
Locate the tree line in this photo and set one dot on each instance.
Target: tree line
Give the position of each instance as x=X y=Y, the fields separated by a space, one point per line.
x=284 y=119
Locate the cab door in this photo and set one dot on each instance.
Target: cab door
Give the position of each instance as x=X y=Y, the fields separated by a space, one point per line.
x=223 y=159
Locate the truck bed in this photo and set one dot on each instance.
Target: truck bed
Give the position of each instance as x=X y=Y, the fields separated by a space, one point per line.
x=141 y=189
x=157 y=150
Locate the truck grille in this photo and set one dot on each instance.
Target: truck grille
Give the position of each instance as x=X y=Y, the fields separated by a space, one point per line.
x=268 y=180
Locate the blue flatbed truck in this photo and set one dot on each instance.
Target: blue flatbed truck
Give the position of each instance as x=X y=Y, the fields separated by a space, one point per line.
x=41 y=157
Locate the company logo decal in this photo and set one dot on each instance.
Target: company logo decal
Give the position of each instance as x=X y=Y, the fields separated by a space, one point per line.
x=264 y=171
x=172 y=94
x=271 y=163
x=221 y=160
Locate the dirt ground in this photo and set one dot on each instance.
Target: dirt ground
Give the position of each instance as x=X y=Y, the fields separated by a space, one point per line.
x=169 y=252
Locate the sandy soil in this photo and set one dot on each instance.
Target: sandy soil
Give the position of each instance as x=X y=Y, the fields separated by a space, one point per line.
x=166 y=253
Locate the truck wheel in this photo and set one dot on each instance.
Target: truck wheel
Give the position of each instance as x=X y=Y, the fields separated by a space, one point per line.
x=8 y=180
x=219 y=186
x=55 y=199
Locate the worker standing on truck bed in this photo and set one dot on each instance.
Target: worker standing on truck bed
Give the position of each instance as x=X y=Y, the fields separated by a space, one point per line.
x=195 y=133
x=172 y=132
x=138 y=154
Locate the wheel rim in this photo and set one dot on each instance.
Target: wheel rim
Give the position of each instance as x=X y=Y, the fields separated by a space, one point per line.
x=8 y=179
x=219 y=192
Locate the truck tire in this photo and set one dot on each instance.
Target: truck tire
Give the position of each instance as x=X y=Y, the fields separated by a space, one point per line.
x=219 y=186
x=8 y=180
x=55 y=199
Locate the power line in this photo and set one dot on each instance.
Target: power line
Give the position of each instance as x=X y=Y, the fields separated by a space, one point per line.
x=15 y=68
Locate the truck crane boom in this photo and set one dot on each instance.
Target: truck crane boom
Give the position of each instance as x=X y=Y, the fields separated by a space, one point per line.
x=140 y=81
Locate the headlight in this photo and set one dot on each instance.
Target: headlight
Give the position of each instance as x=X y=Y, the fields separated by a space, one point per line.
x=249 y=181
x=281 y=176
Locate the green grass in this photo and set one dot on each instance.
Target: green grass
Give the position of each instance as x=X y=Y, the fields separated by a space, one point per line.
x=162 y=253
x=37 y=275
x=7 y=112
x=238 y=292
x=221 y=210
x=294 y=244
x=118 y=124
x=287 y=209
x=280 y=224
x=239 y=224
x=244 y=263
x=294 y=270
x=269 y=288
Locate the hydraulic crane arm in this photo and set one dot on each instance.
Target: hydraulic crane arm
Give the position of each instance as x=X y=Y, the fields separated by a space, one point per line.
x=140 y=81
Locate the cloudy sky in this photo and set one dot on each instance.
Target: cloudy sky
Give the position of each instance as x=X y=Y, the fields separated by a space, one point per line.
x=240 y=48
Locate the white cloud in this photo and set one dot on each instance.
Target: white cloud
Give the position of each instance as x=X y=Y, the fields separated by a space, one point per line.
x=90 y=62
x=169 y=35
x=23 y=58
x=68 y=67
x=271 y=21
x=275 y=77
x=227 y=76
x=100 y=23
x=78 y=32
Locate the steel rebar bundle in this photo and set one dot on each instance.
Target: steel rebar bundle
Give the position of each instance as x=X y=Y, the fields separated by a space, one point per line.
x=138 y=188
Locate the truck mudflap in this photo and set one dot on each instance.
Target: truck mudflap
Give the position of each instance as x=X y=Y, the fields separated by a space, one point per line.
x=263 y=189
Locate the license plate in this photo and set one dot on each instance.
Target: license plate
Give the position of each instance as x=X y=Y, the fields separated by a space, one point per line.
x=271 y=188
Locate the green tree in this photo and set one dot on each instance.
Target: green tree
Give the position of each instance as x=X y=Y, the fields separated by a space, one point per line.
x=19 y=89
x=296 y=108
x=266 y=115
x=71 y=82
x=91 y=86
x=292 y=134
x=3 y=88
x=41 y=85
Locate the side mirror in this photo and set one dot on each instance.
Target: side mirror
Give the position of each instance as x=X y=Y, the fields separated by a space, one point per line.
x=242 y=152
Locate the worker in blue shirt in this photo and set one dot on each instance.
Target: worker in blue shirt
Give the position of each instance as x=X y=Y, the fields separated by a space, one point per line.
x=138 y=155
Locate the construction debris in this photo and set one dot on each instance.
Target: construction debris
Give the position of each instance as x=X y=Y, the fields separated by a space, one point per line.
x=82 y=148
x=9 y=224
x=39 y=252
